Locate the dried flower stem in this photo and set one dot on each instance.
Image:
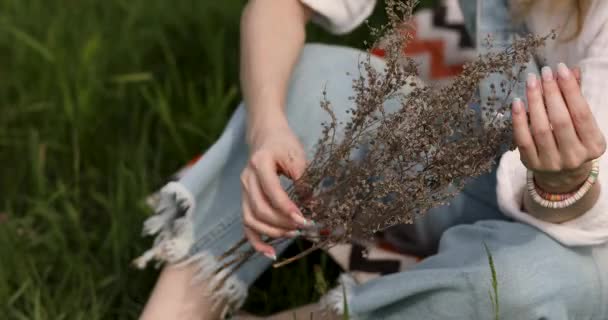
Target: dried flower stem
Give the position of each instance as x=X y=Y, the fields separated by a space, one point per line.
x=301 y=254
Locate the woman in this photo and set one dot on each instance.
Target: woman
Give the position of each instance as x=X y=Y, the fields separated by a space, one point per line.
x=550 y=262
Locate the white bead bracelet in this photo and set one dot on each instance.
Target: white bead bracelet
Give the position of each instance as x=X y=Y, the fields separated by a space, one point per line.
x=560 y=201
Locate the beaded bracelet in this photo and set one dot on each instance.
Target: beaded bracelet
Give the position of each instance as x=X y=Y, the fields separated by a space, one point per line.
x=564 y=200
x=554 y=196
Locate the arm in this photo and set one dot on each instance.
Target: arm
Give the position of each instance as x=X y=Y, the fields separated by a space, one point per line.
x=272 y=36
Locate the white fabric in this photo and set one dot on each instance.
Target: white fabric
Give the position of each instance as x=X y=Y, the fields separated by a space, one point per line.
x=589 y=51
x=340 y=16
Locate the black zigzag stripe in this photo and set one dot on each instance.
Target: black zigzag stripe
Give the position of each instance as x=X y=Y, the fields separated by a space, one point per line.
x=360 y=263
x=440 y=14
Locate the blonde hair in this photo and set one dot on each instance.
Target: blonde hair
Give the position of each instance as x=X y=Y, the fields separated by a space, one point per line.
x=522 y=8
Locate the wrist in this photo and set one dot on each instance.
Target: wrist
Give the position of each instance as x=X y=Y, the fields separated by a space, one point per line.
x=262 y=125
x=577 y=201
x=563 y=182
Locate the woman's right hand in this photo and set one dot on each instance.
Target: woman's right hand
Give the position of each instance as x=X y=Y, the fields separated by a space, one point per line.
x=267 y=209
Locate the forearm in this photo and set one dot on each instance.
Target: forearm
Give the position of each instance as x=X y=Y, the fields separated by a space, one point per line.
x=272 y=36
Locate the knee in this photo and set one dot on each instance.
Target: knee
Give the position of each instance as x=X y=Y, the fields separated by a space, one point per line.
x=531 y=268
x=538 y=275
x=325 y=61
x=321 y=68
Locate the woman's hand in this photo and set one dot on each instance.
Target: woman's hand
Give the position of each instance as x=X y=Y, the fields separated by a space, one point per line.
x=267 y=209
x=562 y=136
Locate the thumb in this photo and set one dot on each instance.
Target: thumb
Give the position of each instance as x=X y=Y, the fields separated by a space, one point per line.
x=294 y=165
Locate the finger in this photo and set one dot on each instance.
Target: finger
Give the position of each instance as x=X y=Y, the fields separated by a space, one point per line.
x=263 y=211
x=268 y=178
x=259 y=245
x=252 y=222
x=521 y=134
x=576 y=72
x=539 y=122
x=582 y=118
x=294 y=165
x=559 y=117
x=254 y=238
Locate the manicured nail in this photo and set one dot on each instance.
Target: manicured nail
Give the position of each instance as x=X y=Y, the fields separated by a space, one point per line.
x=293 y=234
x=547 y=73
x=517 y=106
x=563 y=71
x=271 y=256
x=532 y=80
x=299 y=219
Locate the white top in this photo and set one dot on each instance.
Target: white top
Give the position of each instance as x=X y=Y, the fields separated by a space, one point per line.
x=340 y=16
x=589 y=51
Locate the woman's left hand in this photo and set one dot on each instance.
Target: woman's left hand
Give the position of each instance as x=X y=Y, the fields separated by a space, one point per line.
x=562 y=136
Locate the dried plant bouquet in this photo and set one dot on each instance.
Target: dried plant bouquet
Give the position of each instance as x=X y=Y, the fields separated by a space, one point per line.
x=417 y=157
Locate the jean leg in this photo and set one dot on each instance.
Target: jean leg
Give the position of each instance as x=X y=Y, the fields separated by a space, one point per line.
x=537 y=278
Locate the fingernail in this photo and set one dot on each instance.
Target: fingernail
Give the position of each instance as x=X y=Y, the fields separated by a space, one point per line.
x=547 y=73
x=294 y=234
x=532 y=81
x=517 y=105
x=563 y=71
x=271 y=256
x=299 y=219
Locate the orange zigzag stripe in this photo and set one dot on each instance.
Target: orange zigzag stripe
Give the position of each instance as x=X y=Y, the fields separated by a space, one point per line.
x=435 y=49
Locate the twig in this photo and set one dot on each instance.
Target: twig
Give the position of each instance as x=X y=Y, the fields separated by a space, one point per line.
x=301 y=254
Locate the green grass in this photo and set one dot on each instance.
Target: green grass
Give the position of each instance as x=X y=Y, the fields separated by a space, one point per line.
x=99 y=102
x=493 y=293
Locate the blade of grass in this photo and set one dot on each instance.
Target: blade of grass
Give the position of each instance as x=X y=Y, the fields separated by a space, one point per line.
x=346 y=315
x=494 y=293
